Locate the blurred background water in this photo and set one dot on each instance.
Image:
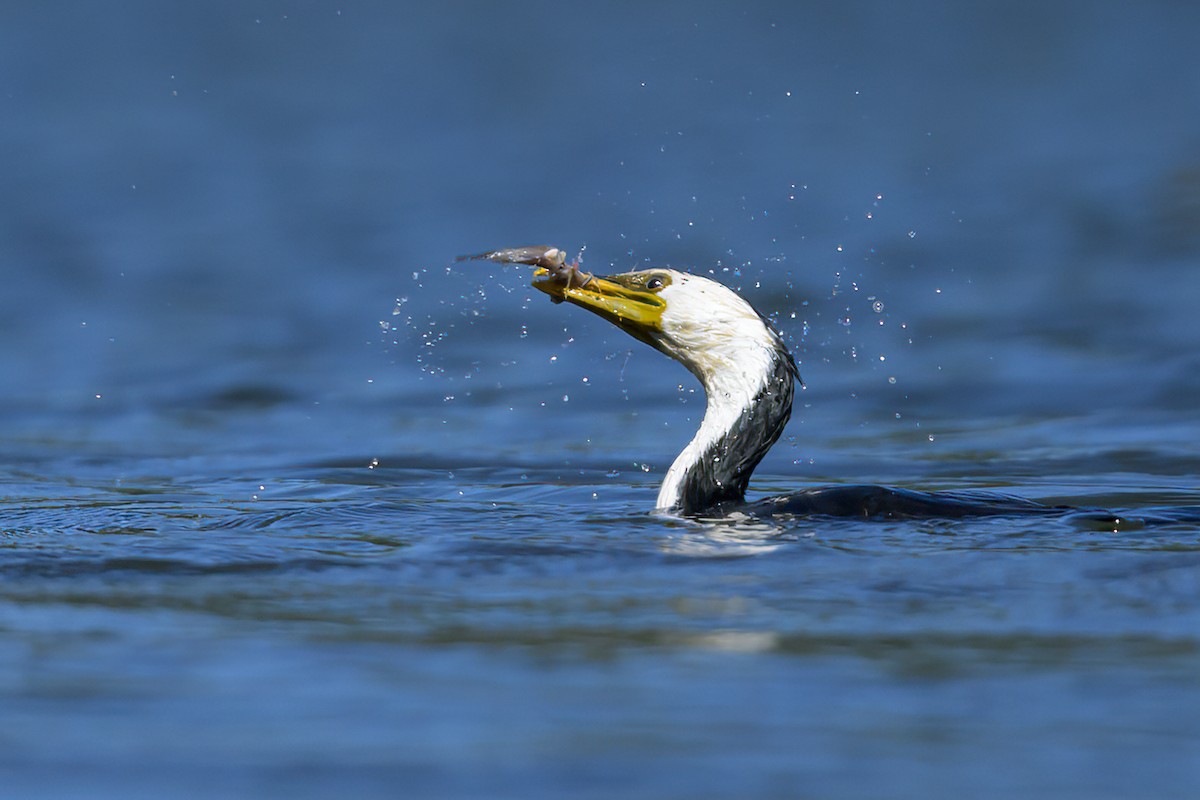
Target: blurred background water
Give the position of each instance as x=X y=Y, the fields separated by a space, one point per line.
x=291 y=505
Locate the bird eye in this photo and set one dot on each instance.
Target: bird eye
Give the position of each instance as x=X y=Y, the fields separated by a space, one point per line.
x=654 y=283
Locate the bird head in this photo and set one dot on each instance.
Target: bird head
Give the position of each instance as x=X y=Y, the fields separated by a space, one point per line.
x=699 y=322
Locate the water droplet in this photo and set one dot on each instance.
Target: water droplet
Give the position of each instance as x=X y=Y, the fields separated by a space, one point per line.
x=877 y=307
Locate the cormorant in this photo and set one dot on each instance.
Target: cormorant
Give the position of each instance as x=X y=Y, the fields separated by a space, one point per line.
x=749 y=379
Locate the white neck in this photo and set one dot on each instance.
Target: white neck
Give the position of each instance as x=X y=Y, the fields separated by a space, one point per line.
x=729 y=395
x=747 y=376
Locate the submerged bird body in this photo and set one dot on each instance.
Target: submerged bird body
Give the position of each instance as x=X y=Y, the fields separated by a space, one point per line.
x=749 y=380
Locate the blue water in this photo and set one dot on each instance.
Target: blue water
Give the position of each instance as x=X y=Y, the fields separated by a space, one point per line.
x=291 y=505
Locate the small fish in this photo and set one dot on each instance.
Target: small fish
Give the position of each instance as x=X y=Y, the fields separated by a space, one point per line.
x=551 y=259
